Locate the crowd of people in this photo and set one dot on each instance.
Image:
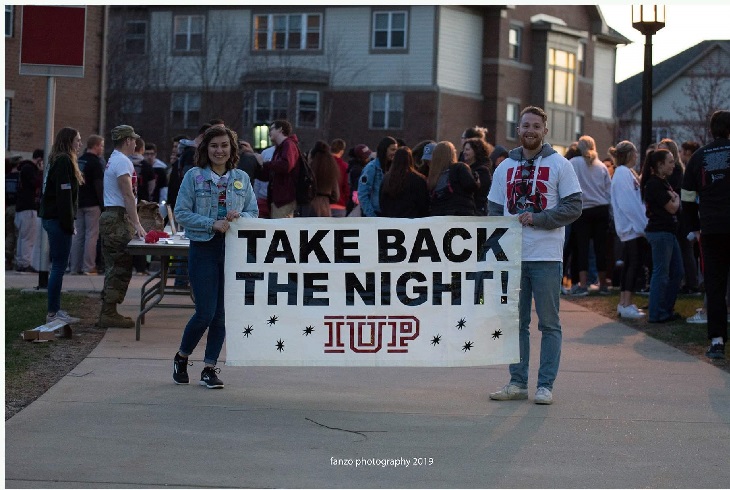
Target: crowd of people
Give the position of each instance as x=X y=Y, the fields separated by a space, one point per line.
x=623 y=221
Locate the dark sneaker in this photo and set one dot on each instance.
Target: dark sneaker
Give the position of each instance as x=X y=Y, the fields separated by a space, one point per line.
x=716 y=351
x=209 y=378
x=180 y=370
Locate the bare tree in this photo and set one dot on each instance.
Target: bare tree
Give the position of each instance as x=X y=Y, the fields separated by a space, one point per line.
x=707 y=91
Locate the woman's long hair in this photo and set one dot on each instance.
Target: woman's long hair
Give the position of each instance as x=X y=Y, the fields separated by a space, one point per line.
x=443 y=155
x=325 y=169
x=622 y=152
x=63 y=145
x=382 y=152
x=394 y=182
x=671 y=145
x=481 y=152
x=201 y=153
x=587 y=149
x=653 y=159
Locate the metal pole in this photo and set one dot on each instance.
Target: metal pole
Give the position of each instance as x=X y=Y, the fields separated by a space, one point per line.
x=646 y=98
x=43 y=242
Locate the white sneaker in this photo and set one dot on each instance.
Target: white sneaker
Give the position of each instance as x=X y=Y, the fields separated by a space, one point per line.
x=509 y=392
x=700 y=317
x=62 y=315
x=630 y=312
x=543 y=396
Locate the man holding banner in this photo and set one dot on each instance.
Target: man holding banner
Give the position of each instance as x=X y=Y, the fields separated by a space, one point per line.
x=540 y=187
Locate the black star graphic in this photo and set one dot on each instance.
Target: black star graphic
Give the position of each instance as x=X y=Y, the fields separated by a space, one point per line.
x=273 y=320
x=280 y=345
x=248 y=330
x=461 y=323
x=467 y=346
x=308 y=330
x=436 y=340
x=497 y=334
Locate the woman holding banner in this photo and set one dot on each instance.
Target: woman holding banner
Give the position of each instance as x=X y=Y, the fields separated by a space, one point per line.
x=212 y=194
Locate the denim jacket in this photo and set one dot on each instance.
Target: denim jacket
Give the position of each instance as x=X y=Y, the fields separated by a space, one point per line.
x=196 y=207
x=368 y=190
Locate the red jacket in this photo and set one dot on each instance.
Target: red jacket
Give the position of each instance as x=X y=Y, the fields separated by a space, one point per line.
x=282 y=171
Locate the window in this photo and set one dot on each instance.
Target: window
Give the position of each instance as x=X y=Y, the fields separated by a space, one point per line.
x=7 y=122
x=513 y=120
x=386 y=110
x=582 y=59
x=189 y=32
x=389 y=30
x=135 y=41
x=287 y=31
x=132 y=105
x=8 y=22
x=185 y=110
x=307 y=109
x=578 y=126
x=515 y=43
x=561 y=77
x=270 y=105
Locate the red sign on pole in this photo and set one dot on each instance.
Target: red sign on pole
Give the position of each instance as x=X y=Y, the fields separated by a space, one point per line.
x=52 y=41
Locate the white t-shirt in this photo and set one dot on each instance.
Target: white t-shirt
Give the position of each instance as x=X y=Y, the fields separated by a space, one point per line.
x=119 y=164
x=550 y=179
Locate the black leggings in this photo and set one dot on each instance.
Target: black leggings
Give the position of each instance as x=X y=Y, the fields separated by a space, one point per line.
x=633 y=257
x=592 y=224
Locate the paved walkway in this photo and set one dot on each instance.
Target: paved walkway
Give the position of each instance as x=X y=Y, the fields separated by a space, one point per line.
x=629 y=412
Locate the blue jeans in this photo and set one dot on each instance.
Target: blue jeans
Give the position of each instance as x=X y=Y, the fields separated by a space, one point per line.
x=541 y=280
x=59 y=244
x=666 y=276
x=206 y=261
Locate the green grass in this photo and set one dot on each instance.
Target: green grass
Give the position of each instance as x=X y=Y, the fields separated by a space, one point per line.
x=24 y=311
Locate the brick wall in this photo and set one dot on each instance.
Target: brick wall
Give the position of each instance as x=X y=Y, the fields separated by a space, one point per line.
x=77 y=99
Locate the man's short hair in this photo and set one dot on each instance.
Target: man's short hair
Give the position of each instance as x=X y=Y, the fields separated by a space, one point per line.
x=179 y=137
x=93 y=141
x=538 y=111
x=691 y=146
x=37 y=154
x=214 y=122
x=282 y=124
x=338 y=145
x=138 y=144
x=150 y=146
x=720 y=124
x=204 y=128
x=475 y=132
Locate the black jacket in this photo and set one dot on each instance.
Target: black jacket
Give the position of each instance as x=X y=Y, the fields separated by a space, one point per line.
x=60 y=200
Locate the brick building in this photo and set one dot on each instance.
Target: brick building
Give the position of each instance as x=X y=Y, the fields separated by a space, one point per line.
x=78 y=100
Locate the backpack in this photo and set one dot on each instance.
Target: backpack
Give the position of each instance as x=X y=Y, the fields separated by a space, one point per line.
x=443 y=186
x=306 y=189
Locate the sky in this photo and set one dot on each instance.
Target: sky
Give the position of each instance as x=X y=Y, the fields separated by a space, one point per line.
x=686 y=25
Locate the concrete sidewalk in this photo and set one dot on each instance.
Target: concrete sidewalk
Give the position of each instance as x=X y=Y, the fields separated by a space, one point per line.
x=629 y=411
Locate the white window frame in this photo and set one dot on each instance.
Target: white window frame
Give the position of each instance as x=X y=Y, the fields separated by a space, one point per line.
x=301 y=123
x=273 y=110
x=304 y=33
x=128 y=37
x=578 y=125
x=187 y=33
x=515 y=46
x=390 y=29
x=512 y=116
x=658 y=133
x=389 y=99
x=189 y=102
x=9 y=20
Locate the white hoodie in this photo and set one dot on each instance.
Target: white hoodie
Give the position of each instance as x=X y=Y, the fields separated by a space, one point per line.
x=629 y=215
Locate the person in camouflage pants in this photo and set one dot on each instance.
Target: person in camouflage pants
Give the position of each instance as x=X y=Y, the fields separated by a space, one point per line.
x=118 y=224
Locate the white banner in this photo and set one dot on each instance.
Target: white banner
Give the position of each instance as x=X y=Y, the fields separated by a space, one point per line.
x=439 y=291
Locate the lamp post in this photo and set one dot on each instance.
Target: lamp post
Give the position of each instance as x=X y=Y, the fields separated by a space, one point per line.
x=647 y=19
